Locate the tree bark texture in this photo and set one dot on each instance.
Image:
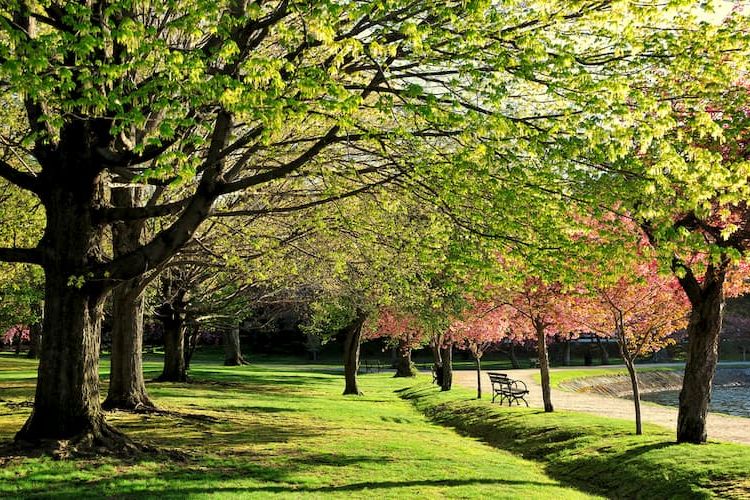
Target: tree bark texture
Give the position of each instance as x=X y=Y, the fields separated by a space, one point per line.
x=174 y=349
x=232 y=350
x=703 y=333
x=541 y=340
x=351 y=354
x=446 y=356
x=127 y=389
x=66 y=401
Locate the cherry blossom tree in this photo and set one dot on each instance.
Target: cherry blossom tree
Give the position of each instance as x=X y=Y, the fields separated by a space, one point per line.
x=483 y=326
x=641 y=310
x=401 y=330
x=540 y=311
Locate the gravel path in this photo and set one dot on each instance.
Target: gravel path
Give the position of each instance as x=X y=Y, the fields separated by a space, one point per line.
x=720 y=427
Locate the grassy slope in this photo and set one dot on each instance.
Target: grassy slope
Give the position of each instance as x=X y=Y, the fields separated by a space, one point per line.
x=596 y=453
x=274 y=430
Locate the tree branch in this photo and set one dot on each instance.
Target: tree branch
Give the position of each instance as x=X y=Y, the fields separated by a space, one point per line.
x=21 y=255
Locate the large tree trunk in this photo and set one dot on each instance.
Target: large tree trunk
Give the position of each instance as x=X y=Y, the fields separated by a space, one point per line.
x=174 y=349
x=703 y=333
x=66 y=402
x=127 y=389
x=351 y=354
x=541 y=341
x=35 y=341
x=446 y=356
x=232 y=351
x=404 y=366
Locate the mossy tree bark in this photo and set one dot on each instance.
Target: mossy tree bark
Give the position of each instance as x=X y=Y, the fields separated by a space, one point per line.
x=66 y=401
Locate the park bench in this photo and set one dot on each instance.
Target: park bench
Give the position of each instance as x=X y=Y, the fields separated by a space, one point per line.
x=372 y=366
x=508 y=389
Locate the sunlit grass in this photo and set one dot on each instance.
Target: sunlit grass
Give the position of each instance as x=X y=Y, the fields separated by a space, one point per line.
x=596 y=453
x=274 y=429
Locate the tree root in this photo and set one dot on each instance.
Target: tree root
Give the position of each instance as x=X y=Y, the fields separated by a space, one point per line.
x=105 y=440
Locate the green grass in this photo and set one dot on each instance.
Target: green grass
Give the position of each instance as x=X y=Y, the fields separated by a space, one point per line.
x=276 y=429
x=595 y=453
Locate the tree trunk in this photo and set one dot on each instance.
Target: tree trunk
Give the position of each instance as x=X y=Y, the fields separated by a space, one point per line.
x=603 y=351
x=232 y=350
x=18 y=339
x=35 y=341
x=636 y=395
x=127 y=389
x=513 y=358
x=66 y=401
x=351 y=354
x=174 y=350
x=541 y=340
x=703 y=333
x=566 y=353
x=478 y=361
x=404 y=366
x=446 y=355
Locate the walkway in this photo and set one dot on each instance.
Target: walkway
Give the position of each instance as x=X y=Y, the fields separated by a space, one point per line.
x=720 y=427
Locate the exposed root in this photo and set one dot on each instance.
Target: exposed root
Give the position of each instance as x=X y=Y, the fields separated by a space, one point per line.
x=105 y=440
x=139 y=406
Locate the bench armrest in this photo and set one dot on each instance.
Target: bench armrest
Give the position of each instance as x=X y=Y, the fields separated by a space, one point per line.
x=522 y=383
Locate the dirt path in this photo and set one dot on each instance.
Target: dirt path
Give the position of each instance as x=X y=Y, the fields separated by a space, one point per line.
x=720 y=427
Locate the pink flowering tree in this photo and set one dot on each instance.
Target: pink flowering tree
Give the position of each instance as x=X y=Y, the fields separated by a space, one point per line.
x=540 y=310
x=641 y=309
x=402 y=331
x=482 y=327
x=15 y=336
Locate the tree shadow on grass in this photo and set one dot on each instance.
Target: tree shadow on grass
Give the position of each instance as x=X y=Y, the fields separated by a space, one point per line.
x=585 y=454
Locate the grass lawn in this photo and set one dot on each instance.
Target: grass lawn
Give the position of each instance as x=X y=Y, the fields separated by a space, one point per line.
x=273 y=430
x=596 y=453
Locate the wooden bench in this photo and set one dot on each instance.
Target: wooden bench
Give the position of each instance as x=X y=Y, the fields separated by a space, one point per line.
x=508 y=389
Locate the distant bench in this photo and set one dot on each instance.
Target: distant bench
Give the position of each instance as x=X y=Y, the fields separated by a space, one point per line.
x=508 y=389
x=369 y=366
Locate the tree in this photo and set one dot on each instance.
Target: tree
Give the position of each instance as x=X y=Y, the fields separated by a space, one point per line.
x=154 y=94
x=540 y=311
x=484 y=326
x=641 y=310
x=272 y=98
x=401 y=331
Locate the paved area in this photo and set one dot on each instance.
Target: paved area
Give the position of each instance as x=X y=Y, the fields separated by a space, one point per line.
x=720 y=427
